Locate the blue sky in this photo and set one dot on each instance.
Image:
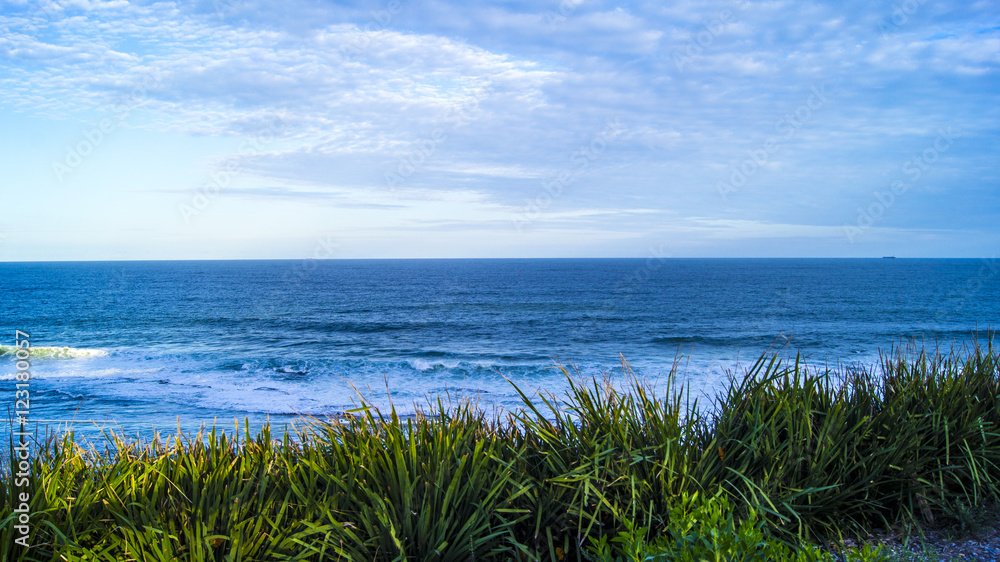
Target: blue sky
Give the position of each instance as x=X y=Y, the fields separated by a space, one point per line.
x=243 y=129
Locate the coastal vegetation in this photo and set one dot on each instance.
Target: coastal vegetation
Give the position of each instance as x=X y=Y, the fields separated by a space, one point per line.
x=785 y=462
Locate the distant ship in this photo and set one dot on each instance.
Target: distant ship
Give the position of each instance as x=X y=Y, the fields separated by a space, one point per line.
x=888 y=257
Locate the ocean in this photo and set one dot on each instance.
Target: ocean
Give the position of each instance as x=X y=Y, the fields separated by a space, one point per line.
x=138 y=346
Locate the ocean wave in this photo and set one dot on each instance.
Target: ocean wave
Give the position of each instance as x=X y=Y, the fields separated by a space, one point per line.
x=37 y=373
x=9 y=351
x=176 y=383
x=71 y=395
x=753 y=342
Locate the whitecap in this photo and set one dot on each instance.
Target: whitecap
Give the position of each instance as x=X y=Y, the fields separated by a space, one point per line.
x=10 y=351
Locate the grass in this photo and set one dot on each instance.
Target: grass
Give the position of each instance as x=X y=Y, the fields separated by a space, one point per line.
x=783 y=459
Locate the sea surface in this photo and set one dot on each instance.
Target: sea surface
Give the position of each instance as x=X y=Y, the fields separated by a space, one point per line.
x=133 y=346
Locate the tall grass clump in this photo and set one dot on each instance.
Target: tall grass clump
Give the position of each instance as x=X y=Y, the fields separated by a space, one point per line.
x=782 y=459
x=824 y=454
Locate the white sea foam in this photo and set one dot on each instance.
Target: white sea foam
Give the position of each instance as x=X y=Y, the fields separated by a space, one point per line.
x=141 y=384
x=9 y=352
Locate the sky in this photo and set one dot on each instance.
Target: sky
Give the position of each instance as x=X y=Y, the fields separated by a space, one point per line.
x=245 y=129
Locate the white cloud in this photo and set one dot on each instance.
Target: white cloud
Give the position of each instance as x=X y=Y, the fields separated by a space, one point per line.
x=508 y=96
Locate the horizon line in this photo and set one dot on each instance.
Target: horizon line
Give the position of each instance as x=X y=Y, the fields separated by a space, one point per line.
x=502 y=259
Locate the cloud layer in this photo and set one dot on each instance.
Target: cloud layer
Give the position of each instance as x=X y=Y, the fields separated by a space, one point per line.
x=716 y=128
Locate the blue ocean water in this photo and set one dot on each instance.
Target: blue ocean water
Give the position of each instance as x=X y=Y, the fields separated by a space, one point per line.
x=136 y=345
